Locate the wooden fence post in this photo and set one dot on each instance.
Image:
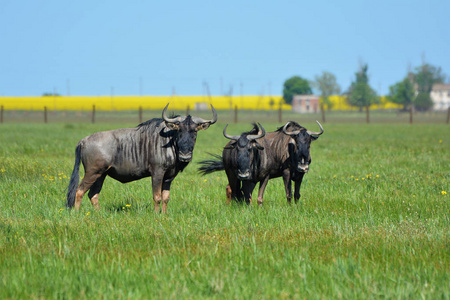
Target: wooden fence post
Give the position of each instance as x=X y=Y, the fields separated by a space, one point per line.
x=45 y=114
x=280 y=117
x=140 y=114
x=93 y=114
x=1 y=115
x=411 y=112
x=188 y=110
x=235 y=114
x=367 y=115
x=448 y=114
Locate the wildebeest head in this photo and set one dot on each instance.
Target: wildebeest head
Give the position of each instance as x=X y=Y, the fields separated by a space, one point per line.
x=300 y=144
x=245 y=147
x=186 y=131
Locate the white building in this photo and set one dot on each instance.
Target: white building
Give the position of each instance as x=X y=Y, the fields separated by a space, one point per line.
x=440 y=95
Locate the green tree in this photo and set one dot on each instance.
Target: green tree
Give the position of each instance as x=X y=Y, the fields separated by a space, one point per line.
x=360 y=92
x=327 y=85
x=403 y=92
x=295 y=86
x=423 y=101
x=425 y=77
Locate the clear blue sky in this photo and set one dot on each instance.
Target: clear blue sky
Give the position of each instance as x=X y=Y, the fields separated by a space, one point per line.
x=89 y=47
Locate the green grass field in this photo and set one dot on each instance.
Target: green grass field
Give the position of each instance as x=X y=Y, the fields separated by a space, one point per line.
x=373 y=222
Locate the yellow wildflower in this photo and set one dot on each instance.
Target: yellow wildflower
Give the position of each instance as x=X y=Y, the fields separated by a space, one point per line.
x=444 y=193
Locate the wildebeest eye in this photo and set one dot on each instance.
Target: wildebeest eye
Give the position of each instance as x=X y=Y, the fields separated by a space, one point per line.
x=173 y=126
x=202 y=126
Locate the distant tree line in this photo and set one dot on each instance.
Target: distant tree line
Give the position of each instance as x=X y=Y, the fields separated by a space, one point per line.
x=413 y=91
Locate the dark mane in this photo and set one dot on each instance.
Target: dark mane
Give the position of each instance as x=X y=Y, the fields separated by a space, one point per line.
x=253 y=131
x=153 y=123
x=291 y=124
x=150 y=124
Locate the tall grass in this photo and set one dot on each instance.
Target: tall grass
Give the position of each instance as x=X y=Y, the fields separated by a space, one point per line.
x=373 y=222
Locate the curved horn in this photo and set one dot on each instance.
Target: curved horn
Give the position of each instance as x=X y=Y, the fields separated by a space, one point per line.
x=260 y=134
x=169 y=120
x=198 y=120
x=316 y=133
x=290 y=133
x=234 y=137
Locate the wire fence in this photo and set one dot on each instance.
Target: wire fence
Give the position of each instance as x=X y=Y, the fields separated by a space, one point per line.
x=225 y=116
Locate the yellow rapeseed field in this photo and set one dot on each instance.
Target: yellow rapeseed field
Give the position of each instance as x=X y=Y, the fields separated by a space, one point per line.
x=340 y=103
x=134 y=102
x=112 y=103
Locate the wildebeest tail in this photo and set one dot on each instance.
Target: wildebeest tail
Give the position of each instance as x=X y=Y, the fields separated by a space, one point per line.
x=211 y=165
x=73 y=183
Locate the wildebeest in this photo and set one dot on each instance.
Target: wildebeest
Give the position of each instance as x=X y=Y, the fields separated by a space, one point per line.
x=159 y=148
x=287 y=154
x=246 y=160
x=290 y=146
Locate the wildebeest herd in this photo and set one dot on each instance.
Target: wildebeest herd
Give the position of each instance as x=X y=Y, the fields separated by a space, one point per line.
x=163 y=147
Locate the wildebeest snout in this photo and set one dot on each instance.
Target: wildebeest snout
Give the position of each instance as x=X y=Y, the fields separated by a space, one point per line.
x=242 y=175
x=185 y=157
x=303 y=168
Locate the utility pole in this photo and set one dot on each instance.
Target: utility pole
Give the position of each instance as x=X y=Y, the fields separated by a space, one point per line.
x=54 y=98
x=242 y=97
x=68 y=87
x=112 y=97
x=208 y=91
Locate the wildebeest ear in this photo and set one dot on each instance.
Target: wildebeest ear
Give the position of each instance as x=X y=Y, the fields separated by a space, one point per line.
x=231 y=145
x=258 y=146
x=313 y=138
x=173 y=126
x=203 y=126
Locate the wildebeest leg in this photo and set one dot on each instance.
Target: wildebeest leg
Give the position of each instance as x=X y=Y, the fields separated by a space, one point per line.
x=298 y=184
x=287 y=185
x=262 y=188
x=157 y=180
x=238 y=192
x=229 y=193
x=234 y=191
x=247 y=188
x=86 y=183
x=165 y=195
x=95 y=189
